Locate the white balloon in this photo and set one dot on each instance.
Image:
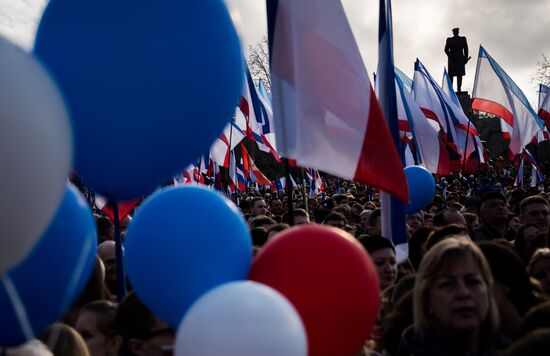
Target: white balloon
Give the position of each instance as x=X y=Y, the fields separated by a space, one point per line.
x=241 y=318
x=35 y=152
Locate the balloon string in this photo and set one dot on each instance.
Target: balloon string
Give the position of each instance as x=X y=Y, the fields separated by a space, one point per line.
x=18 y=307
x=77 y=274
x=121 y=285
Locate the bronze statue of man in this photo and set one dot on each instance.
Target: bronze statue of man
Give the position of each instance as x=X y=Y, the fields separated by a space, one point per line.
x=456 y=48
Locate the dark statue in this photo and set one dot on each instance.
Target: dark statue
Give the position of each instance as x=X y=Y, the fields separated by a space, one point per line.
x=456 y=49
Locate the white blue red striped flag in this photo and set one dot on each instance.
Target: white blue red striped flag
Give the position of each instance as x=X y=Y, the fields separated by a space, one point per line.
x=326 y=114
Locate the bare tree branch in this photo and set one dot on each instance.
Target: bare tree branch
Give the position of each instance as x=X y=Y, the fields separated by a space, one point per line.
x=258 y=63
x=542 y=73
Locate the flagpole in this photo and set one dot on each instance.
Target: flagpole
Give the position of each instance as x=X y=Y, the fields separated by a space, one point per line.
x=229 y=152
x=304 y=192
x=290 y=205
x=466 y=147
x=120 y=277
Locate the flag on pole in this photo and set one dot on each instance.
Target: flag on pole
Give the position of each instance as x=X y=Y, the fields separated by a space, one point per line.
x=241 y=179
x=393 y=210
x=519 y=178
x=233 y=133
x=430 y=151
x=544 y=104
x=467 y=134
x=259 y=117
x=232 y=174
x=430 y=100
x=255 y=174
x=497 y=94
x=326 y=114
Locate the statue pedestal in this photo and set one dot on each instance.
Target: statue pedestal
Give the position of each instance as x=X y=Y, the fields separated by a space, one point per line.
x=465 y=102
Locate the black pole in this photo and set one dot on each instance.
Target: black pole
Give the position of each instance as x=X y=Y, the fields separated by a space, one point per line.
x=289 y=189
x=120 y=276
x=466 y=147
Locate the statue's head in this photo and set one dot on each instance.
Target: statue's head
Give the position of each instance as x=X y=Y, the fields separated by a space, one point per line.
x=455 y=31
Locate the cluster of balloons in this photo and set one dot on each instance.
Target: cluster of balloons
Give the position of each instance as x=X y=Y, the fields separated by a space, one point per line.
x=312 y=290
x=138 y=82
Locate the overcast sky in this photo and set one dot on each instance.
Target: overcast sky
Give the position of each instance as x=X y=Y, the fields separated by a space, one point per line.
x=514 y=32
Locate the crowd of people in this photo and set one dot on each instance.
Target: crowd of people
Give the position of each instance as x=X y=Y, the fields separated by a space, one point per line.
x=476 y=280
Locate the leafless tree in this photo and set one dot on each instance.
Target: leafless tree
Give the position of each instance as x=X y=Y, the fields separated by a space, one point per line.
x=258 y=62
x=542 y=73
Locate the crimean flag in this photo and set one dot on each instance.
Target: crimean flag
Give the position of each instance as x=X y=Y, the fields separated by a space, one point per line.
x=544 y=104
x=497 y=94
x=325 y=112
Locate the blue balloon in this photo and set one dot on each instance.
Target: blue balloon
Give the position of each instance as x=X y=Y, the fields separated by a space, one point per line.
x=183 y=242
x=421 y=188
x=150 y=85
x=37 y=292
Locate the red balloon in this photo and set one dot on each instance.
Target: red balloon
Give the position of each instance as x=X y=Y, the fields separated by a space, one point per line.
x=329 y=278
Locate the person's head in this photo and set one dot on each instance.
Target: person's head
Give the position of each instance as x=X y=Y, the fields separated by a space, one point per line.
x=453 y=290
x=364 y=218
x=375 y=222
x=105 y=228
x=446 y=232
x=143 y=333
x=275 y=229
x=258 y=206
x=95 y=289
x=524 y=235
x=259 y=236
x=455 y=31
x=472 y=220
x=417 y=245
x=107 y=252
x=301 y=217
x=493 y=209
x=33 y=347
x=261 y=221
x=448 y=216
x=512 y=282
x=539 y=268
x=61 y=339
x=97 y=326
x=415 y=220
x=534 y=210
x=382 y=253
x=313 y=204
x=536 y=318
x=276 y=207
x=336 y=219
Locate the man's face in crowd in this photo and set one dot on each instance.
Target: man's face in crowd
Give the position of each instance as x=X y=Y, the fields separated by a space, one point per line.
x=455 y=217
x=536 y=213
x=415 y=221
x=259 y=208
x=276 y=207
x=494 y=211
x=336 y=223
x=301 y=220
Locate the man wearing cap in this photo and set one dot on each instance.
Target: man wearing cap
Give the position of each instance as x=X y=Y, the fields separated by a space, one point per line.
x=493 y=214
x=456 y=49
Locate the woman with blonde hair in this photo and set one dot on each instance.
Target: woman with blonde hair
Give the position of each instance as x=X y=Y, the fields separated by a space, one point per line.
x=453 y=304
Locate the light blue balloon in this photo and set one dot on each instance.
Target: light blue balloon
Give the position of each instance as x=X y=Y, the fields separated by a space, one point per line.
x=421 y=188
x=150 y=85
x=183 y=242
x=37 y=292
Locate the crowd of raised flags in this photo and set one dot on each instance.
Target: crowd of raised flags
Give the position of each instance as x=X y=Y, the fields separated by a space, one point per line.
x=324 y=114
